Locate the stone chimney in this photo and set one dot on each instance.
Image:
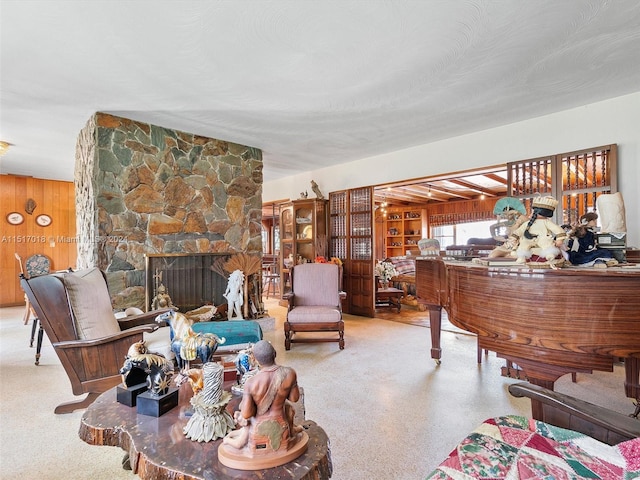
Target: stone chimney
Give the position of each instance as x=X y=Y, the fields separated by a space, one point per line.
x=143 y=189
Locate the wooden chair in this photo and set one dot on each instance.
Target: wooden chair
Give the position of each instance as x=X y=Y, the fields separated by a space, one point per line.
x=35 y=265
x=270 y=279
x=75 y=311
x=315 y=303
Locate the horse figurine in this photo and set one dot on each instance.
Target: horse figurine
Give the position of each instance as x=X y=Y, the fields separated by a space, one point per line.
x=192 y=375
x=142 y=365
x=186 y=344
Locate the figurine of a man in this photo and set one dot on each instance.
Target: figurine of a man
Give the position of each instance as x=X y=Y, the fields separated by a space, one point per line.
x=265 y=413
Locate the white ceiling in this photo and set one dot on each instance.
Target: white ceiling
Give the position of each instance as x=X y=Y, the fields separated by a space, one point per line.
x=311 y=83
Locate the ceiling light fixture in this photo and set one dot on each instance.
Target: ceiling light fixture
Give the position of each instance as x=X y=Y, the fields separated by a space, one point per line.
x=4 y=147
x=429 y=192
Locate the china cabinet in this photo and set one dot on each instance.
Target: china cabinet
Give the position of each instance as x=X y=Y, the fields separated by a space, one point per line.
x=303 y=235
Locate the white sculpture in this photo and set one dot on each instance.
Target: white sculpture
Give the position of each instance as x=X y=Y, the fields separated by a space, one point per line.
x=611 y=212
x=235 y=295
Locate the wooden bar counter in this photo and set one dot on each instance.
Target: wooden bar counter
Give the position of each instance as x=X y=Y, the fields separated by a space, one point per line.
x=548 y=322
x=158 y=449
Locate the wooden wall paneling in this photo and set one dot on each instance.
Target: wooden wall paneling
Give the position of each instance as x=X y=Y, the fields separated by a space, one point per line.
x=8 y=265
x=57 y=241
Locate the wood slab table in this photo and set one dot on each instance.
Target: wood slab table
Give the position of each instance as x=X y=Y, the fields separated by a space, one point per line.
x=158 y=449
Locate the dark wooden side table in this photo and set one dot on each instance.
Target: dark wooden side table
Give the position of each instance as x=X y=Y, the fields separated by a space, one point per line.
x=158 y=449
x=389 y=297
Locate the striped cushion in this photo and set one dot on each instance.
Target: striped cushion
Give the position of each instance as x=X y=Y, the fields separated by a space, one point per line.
x=404 y=266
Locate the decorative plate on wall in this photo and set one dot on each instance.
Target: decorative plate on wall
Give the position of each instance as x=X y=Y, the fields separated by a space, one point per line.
x=15 y=218
x=43 y=220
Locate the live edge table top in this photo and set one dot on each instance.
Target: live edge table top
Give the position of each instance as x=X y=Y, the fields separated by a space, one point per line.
x=158 y=449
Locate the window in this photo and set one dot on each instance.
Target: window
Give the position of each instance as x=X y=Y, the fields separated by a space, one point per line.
x=460 y=234
x=445 y=234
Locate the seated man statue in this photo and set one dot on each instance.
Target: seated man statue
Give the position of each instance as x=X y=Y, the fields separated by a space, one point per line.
x=265 y=415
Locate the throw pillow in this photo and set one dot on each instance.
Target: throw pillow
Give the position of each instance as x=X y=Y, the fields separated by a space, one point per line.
x=90 y=303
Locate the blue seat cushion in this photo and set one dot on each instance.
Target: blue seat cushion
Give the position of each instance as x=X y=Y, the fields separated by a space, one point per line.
x=235 y=332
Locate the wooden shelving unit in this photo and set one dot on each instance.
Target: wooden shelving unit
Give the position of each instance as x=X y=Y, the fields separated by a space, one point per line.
x=403 y=229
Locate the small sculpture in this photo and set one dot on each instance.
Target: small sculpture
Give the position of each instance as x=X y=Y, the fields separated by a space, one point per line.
x=540 y=235
x=141 y=363
x=30 y=206
x=267 y=436
x=316 y=190
x=192 y=375
x=186 y=344
x=235 y=294
x=246 y=367
x=583 y=245
x=162 y=299
x=210 y=419
x=612 y=212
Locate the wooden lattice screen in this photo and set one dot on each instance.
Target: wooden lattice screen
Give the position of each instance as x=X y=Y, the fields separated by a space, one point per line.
x=578 y=178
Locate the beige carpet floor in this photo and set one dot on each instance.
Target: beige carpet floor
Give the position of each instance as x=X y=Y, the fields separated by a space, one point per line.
x=389 y=410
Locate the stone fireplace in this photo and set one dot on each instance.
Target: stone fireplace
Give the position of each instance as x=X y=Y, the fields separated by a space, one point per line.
x=144 y=190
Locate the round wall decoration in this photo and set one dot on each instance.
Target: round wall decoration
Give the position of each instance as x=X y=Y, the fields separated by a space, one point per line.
x=43 y=220
x=15 y=218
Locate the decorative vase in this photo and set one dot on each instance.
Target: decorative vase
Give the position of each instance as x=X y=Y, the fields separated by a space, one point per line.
x=385 y=284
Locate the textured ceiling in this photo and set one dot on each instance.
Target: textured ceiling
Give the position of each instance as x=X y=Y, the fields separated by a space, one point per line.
x=311 y=83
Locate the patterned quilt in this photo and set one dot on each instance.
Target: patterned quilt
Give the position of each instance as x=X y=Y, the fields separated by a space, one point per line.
x=514 y=447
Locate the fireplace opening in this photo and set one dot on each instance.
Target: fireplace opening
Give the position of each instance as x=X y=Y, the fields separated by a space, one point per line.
x=192 y=280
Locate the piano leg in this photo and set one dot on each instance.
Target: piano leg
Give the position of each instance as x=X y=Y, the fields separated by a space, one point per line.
x=632 y=382
x=435 y=321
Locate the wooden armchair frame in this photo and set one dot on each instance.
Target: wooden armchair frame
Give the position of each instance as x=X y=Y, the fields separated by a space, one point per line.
x=571 y=413
x=328 y=308
x=91 y=365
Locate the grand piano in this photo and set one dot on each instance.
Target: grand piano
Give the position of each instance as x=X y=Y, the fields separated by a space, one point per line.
x=547 y=322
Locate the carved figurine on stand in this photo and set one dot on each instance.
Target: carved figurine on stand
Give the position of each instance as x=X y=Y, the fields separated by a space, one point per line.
x=267 y=436
x=235 y=294
x=144 y=370
x=540 y=236
x=153 y=367
x=583 y=245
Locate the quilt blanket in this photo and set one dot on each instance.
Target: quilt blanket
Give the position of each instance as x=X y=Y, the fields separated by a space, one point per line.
x=514 y=447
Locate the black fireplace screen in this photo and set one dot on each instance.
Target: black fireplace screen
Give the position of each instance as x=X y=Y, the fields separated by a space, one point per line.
x=192 y=280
